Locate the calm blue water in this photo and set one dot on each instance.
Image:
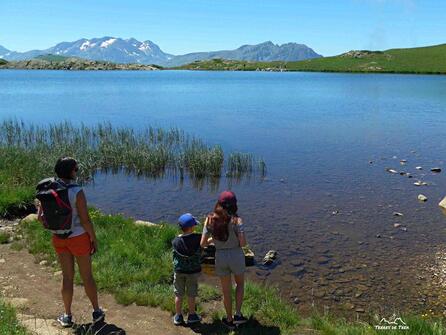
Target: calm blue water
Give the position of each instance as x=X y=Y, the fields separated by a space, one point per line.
x=316 y=132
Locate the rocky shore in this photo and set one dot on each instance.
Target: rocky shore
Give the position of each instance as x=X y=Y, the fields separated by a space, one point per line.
x=75 y=64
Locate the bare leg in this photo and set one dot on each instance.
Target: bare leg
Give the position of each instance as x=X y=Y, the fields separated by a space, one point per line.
x=191 y=304
x=227 y=298
x=66 y=261
x=84 y=263
x=178 y=305
x=239 y=292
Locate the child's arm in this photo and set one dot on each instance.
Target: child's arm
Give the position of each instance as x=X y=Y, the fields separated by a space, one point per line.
x=239 y=228
x=205 y=238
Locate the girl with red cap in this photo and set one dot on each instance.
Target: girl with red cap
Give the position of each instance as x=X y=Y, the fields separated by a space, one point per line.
x=225 y=229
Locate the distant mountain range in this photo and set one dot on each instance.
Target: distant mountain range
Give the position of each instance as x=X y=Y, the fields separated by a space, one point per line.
x=420 y=60
x=130 y=50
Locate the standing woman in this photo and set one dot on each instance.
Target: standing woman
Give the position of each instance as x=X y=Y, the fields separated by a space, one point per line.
x=80 y=245
x=224 y=228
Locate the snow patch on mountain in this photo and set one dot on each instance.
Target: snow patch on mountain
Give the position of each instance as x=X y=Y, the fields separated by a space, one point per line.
x=108 y=42
x=145 y=47
x=87 y=44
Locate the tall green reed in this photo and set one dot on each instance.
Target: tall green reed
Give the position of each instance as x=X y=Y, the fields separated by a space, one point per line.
x=151 y=152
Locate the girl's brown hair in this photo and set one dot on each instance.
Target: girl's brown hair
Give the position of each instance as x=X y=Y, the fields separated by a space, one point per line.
x=220 y=220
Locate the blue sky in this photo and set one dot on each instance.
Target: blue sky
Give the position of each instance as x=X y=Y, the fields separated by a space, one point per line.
x=328 y=26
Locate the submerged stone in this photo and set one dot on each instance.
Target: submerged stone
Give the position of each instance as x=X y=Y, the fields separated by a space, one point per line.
x=270 y=257
x=422 y=198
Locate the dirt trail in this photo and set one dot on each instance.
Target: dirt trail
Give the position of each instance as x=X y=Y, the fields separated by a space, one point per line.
x=37 y=296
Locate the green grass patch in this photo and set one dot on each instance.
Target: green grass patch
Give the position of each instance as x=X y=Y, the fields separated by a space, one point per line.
x=4 y=237
x=328 y=325
x=53 y=58
x=266 y=306
x=9 y=325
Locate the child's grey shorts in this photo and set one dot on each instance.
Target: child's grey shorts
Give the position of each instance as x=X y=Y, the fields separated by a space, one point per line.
x=185 y=283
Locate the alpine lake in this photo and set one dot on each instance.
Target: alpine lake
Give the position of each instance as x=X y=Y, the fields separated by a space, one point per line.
x=338 y=202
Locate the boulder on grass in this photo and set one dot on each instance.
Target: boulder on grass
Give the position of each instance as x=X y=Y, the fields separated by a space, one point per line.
x=145 y=223
x=29 y=218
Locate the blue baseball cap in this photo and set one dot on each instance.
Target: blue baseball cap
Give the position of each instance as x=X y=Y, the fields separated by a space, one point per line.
x=187 y=220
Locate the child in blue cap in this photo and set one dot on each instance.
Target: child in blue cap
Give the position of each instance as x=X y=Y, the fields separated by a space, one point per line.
x=187 y=268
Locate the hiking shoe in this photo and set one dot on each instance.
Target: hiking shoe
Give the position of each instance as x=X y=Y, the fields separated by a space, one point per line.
x=178 y=319
x=65 y=320
x=239 y=319
x=229 y=324
x=98 y=316
x=193 y=318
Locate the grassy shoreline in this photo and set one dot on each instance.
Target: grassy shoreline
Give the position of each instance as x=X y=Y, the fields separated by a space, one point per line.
x=134 y=264
x=151 y=152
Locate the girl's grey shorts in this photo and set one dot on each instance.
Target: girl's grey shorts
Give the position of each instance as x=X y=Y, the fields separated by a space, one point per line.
x=229 y=261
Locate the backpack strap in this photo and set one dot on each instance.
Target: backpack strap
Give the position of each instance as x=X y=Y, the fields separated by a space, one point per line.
x=60 y=181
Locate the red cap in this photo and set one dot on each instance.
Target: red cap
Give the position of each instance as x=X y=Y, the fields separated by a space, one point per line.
x=227 y=198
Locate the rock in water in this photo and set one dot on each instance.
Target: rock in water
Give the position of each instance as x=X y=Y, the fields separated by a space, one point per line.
x=436 y=169
x=420 y=183
x=422 y=197
x=270 y=257
x=442 y=203
x=397 y=214
x=419 y=168
x=391 y=170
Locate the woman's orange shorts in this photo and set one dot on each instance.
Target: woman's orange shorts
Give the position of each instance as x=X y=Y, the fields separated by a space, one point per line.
x=77 y=246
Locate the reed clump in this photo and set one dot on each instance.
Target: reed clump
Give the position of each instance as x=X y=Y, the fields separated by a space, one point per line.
x=28 y=153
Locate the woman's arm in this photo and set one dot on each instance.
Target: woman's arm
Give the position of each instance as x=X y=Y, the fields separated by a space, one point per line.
x=40 y=212
x=82 y=210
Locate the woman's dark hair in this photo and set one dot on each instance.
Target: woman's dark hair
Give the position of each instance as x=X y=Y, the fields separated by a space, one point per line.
x=220 y=223
x=64 y=167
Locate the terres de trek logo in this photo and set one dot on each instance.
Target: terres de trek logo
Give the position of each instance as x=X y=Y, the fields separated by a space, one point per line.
x=393 y=323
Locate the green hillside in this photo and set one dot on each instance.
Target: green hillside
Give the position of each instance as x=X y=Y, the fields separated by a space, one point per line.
x=2 y=61
x=431 y=60
x=53 y=58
